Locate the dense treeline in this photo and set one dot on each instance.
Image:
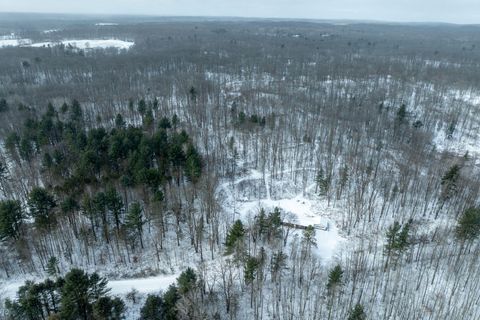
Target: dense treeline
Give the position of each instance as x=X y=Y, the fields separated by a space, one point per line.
x=117 y=178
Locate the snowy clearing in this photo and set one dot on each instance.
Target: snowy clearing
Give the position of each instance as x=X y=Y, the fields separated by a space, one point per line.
x=15 y=42
x=89 y=44
x=102 y=24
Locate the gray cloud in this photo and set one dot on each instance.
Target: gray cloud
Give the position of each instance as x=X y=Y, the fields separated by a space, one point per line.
x=456 y=11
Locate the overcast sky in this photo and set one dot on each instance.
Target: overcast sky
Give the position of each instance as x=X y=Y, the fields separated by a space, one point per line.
x=456 y=11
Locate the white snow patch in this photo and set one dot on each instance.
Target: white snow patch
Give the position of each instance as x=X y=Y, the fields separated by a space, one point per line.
x=101 y=24
x=50 y=31
x=142 y=285
x=14 y=42
x=89 y=44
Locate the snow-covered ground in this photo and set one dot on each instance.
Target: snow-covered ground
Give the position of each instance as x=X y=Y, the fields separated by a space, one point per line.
x=11 y=40
x=101 y=24
x=304 y=209
x=89 y=44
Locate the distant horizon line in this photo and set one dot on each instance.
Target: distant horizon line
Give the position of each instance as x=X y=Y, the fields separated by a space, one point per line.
x=226 y=17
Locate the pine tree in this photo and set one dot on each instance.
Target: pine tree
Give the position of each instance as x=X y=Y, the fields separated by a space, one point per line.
x=401 y=114
x=119 y=122
x=449 y=182
x=41 y=205
x=170 y=299
x=357 y=313
x=468 y=225
x=153 y=309
x=79 y=292
x=114 y=204
x=397 y=240
x=234 y=236
x=52 y=267
x=309 y=236
x=250 y=269
x=106 y=308
x=3 y=105
x=335 y=278
x=186 y=281
x=134 y=222
x=11 y=218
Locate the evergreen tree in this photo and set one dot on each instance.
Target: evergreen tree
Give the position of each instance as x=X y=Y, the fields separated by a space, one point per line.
x=134 y=222
x=250 y=269
x=11 y=217
x=52 y=267
x=449 y=182
x=186 y=281
x=468 y=225
x=234 y=236
x=41 y=205
x=193 y=165
x=79 y=292
x=114 y=204
x=3 y=105
x=170 y=299
x=153 y=309
x=397 y=240
x=357 y=313
x=119 y=122
x=401 y=114
x=309 y=236
x=164 y=123
x=335 y=278
x=142 y=107
x=106 y=308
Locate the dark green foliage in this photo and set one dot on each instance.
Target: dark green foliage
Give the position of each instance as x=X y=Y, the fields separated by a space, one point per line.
x=41 y=204
x=142 y=107
x=114 y=205
x=79 y=292
x=193 y=94
x=134 y=222
x=186 y=281
x=468 y=225
x=11 y=217
x=164 y=123
x=309 y=236
x=235 y=235
x=397 y=241
x=52 y=267
x=357 y=313
x=323 y=182
x=76 y=113
x=34 y=301
x=269 y=226
x=77 y=296
x=106 y=308
x=3 y=105
x=193 y=165
x=250 y=269
x=397 y=238
x=153 y=309
x=170 y=299
x=119 y=122
x=450 y=182
x=401 y=114
x=335 y=278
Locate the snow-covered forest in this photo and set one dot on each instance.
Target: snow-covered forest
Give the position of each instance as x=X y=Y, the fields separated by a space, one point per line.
x=187 y=168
